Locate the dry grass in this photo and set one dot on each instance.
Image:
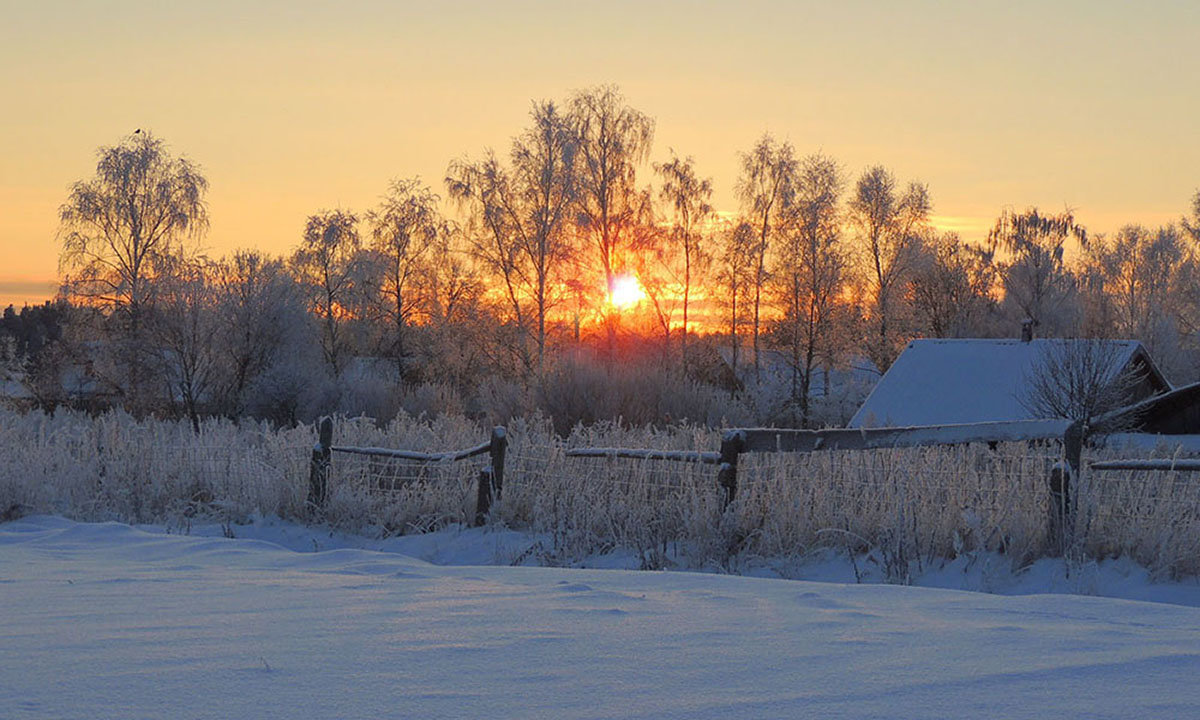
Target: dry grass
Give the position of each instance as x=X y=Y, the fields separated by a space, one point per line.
x=909 y=507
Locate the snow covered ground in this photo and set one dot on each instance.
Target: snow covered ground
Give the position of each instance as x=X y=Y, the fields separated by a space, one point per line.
x=106 y=620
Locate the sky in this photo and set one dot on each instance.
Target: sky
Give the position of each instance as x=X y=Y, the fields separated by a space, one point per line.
x=293 y=107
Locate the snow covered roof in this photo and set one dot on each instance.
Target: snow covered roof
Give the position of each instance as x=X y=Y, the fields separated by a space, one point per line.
x=937 y=382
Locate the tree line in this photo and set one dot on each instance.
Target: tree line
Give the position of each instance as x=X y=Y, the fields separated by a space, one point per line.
x=495 y=298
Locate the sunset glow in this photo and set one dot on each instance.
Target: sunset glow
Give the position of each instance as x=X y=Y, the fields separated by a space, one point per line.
x=289 y=108
x=626 y=292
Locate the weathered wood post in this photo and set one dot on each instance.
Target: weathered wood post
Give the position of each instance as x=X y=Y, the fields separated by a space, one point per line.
x=483 y=496
x=318 y=470
x=497 y=452
x=491 y=479
x=1062 y=475
x=732 y=445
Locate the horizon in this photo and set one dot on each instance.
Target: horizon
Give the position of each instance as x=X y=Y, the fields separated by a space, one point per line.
x=289 y=110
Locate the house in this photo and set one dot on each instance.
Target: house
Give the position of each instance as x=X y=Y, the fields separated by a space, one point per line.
x=1172 y=413
x=941 y=382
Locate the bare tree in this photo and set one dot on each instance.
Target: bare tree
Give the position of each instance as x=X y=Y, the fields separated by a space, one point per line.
x=261 y=312
x=613 y=141
x=660 y=275
x=1037 y=283
x=520 y=218
x=950 y=287
x=544 y=165
x=1077 y=380
x=118 y=229
x=328 y=265
x=736 y=274
x=405 y=228
x=185 y=328
x=459 y=328
x=810 y=272
x=689 y=199
x=1134 y=272
x=889 y=228
x=767 y=180
x=1191 y=225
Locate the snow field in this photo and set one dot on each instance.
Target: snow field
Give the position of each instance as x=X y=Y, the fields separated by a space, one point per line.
x=107 y=621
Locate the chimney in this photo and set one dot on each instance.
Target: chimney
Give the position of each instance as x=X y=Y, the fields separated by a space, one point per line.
x=1027 y=330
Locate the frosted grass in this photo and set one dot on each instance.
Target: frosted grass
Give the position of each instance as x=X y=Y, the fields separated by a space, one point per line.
x=904 y=508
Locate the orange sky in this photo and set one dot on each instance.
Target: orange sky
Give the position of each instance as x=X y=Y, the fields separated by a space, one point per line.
x=291 y=107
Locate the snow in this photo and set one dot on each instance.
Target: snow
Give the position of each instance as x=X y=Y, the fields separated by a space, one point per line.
x=937 y=382
x=106 y=620
x=1158 y=445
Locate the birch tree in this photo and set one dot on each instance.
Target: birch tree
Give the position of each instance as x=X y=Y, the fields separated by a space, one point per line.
x=261 y=312
x=328 y=265
x=406 y=227
x=950 y=287
x=810 y=273
x=185 y=329
x=118 y=231
x=764 y=187
x=613 y=141
x=688 y=196
x=521 y=217
x=1038 y=285
x=889 y=226
x=735 y=275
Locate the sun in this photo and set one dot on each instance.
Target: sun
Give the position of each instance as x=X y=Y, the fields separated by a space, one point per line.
x=626 y=292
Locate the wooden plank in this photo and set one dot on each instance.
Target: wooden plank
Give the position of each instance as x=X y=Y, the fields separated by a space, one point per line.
x=786 y=440
x=1165 y=465
x=708 y=458
x=417 y=456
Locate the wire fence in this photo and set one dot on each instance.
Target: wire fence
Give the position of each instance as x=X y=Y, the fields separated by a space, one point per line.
x=1150 y=515
x=378 y=475
x=994 y=497
x=930 y=501
x=936 y=499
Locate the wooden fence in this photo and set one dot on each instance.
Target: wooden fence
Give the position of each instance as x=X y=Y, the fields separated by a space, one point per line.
x=738 y=441
x=490 y=481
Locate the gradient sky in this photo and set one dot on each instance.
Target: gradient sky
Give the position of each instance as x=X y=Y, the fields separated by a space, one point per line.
x=291 y=107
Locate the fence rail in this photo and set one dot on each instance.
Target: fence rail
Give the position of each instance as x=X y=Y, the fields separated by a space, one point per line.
x=490 y=480
x=1163 y=465
x=1061 y=473
x=708 y=458
x=785 y=440
x=766 y=440
x=452 y=456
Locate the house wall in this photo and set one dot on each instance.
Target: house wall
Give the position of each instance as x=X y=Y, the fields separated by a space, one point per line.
x=1150 y=383
x=1177 y=413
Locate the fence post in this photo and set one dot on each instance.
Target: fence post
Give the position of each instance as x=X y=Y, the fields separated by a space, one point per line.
x=1062 y=514
x=491 y=479
x=318 y=470
x=497 y=451
x=483 y=496
x=731 y=446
